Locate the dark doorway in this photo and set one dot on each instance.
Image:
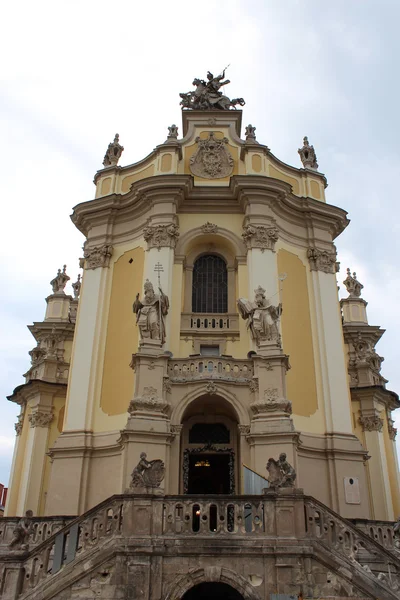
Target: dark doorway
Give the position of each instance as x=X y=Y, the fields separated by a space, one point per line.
x=209 y=474
x=212 y=591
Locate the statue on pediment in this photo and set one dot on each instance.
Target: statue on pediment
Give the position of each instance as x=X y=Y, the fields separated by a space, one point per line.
x=207 y=95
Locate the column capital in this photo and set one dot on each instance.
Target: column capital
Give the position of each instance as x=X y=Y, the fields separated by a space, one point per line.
x=98 y=256
x=40 y=418
x=323 y=260
x=371 y=422
x=161 y=236
x=260 y=236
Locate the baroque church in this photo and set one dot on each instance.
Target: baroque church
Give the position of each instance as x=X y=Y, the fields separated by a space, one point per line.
x=202 y=416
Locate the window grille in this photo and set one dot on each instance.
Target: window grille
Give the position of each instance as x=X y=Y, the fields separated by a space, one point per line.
x=210 y=285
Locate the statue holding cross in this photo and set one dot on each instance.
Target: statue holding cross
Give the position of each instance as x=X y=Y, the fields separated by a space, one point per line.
x=151 y=310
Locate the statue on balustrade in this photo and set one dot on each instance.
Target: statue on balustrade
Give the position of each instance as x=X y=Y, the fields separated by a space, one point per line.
x=396 y=534
x=147 y=474
x=262 y=317
x=281 y=473
x=22 y=532
x=150 y=312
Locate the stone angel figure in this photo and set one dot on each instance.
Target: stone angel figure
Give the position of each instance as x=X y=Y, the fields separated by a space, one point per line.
x=262 y=317
x=147 y=473
x=22 y=532
x=280 y=472
x=150 y=312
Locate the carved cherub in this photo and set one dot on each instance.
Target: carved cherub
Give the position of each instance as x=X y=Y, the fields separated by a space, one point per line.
x=22 y=532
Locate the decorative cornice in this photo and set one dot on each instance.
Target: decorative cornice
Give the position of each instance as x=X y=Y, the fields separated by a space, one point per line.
x=209 y=228
x=161 y=236
x=260 y=236
x=371 y=422
x=40 y=419
x=323 y=260
x=98 y=256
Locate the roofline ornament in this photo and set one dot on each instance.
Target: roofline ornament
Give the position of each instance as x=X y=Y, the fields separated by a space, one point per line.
x=207 y=95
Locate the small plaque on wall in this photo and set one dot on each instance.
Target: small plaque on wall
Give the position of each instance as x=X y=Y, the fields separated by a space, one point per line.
x=352 y=490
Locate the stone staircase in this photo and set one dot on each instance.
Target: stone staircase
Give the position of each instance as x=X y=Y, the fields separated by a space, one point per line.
x=140 y=546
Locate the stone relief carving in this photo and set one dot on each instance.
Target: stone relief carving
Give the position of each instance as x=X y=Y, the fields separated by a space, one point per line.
x=167 y=387
x=99 y=256
x=244 y=429
x=22 y=532
x=211 y=388
x=260 y=236
x=307 y=155
x=77 y=287
x=353 y=286
x=147 y=473
x=322 y=260
x=211 y=160
x=159 y=236
x=280 y=472
x=250 y=133
x=209 y=228
x=176 y=429
x=271 y=403
x=150 y=313
x=371 y=423
x=207 y=95
x=60 y=281
x=391 y=429
x=113 y=153
x=40 y=419
x=19 y=424
x=262 y=317
x=149 y=401
x=253 y=385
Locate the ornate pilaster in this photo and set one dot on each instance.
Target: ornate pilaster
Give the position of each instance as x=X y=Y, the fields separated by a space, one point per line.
x=323 y=260
x=161 y=236
x=260 y=236
x=98 y=256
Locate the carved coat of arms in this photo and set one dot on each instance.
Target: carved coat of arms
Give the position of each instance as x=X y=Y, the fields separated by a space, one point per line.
x=211 y=160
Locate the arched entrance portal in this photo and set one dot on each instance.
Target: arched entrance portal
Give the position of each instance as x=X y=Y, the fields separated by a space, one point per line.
x=212 y=591
x=209 y=447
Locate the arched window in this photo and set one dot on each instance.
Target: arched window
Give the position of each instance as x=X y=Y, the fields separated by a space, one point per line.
x=210 y=285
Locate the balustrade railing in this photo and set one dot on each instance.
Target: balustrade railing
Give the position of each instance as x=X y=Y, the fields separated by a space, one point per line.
x=42 y=529
x=380 y=531
x=203 y=367
x=204 y=322
x=204 y=517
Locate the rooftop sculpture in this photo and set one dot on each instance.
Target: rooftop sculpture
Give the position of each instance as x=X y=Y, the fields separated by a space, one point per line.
x=207 y=95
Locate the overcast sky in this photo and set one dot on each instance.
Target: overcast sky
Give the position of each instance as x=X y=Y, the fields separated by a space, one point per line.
x=74 y=73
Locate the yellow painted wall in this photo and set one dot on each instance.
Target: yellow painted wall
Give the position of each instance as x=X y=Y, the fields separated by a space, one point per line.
x=279 y=175
x=166 y=162
x=122 y=333
x=315 y=189
x=127 y=181
x=256 y=163
x=54 y=432
x=13 y=492
x=106 y=186
x=297 y=335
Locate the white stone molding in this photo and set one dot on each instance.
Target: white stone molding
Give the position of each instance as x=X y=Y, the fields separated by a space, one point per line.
x=260 y=236
x=371 y=423
x=98 y=256
x=161 y=236
x=209 y=228
x=322 y=260
x=40 y=419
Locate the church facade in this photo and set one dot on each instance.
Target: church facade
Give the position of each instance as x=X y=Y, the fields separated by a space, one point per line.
x=205 y=347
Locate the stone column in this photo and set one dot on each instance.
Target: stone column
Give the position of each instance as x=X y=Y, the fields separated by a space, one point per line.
x=336 y=395
x=372 y=425
x=35 y=455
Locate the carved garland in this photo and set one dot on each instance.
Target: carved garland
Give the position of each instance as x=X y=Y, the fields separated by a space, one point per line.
x=99 y=256
x=161 y=236
x=40 y=419
x=149 y=401
x=371 y=423
x=209 y=228
x=260 y=236
x=323 y=260
x=271 y=403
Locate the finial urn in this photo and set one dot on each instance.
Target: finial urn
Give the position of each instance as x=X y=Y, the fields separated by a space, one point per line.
x=113 y=153
x=307 y=155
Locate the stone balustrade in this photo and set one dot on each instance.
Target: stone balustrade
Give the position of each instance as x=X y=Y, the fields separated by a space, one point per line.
x=203 y=367
x=42 y=529
x=210 y=323
x=380 y=531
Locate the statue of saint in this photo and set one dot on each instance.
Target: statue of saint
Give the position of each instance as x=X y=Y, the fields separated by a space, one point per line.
x=22 y=532
x=262 y=318
x=207 y=95
x=281 y=473
x=150 y=312
x=147 y=473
